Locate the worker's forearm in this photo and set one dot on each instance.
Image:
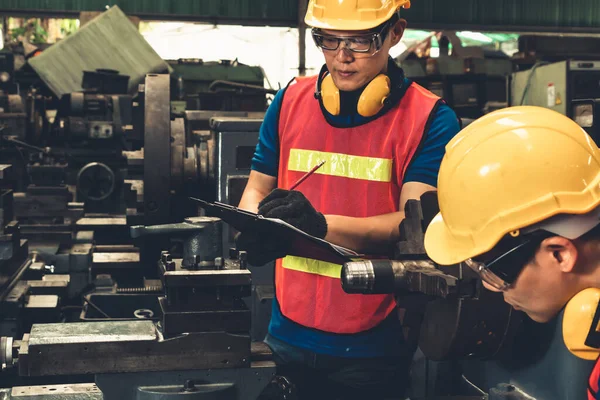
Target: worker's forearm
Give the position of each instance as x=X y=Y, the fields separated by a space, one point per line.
x=374 y=235
x=250 y=200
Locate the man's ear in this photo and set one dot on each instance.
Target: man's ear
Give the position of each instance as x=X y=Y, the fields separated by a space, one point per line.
x=398 y=30
x=560 y=251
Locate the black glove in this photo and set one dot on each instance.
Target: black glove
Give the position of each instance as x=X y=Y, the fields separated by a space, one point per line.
x=292 y=207
x=261 y=248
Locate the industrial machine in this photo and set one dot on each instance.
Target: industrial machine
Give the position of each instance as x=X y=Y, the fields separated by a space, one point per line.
x=197 y=346
x=570 y=87
x=225 y=85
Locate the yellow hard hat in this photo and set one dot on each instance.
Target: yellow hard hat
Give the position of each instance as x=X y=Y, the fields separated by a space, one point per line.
x=351 y=15
x=509 y=170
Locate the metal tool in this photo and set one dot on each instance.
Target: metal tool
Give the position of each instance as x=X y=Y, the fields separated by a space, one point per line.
x=202 y=246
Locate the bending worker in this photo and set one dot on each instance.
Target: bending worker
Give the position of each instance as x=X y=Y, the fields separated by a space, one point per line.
x=519 y=194
x=382 y=138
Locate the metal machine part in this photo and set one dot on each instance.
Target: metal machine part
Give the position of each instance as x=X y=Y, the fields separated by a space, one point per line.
x=203 y=290
x=468 y=327
x=95 y=182
x=157 y=149
x=448 y=312
x=125 y=346
x=205 y=300
x=387 y=277
x=13 y=118
x=6 y=352
x=88 y=116
x=202 y=245
x=235 y=142
x=197 y=366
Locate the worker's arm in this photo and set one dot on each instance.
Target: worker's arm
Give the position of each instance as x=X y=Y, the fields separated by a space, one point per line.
x=370 y=235
x=373 y=234
x=258 y=187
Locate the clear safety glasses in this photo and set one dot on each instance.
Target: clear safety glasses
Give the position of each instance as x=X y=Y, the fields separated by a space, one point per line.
x=501 y=266
x=361 y=45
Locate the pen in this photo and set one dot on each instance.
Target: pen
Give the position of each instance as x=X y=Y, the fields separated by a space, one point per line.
x=309 y=173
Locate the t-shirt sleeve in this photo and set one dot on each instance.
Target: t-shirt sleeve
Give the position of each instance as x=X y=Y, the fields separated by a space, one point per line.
x=425 y=165
x=266 y=155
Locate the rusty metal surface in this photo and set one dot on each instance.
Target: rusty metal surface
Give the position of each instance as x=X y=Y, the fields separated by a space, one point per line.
x=208 y=278
x=109 y=258
x=84 y=222
x=83 y=391
x=42 y=302
x=79 y=332
x=157 y=149
x=125 y=346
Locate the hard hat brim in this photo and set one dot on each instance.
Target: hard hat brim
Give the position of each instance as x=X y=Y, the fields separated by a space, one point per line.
x=343 y=25
x=442 y=247
x=445 y=249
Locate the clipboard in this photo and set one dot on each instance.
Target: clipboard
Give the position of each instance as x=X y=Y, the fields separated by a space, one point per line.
x=302 y=244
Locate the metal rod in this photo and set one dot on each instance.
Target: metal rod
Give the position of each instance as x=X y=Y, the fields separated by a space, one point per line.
x=95 y=307
x=26 y=145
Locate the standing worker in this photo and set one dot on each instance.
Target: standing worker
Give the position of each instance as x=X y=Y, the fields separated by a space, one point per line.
x=519 y=194
x=382 y=138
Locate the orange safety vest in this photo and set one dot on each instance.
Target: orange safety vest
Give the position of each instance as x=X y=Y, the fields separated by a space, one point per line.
x=362 y=177
x=593 y=381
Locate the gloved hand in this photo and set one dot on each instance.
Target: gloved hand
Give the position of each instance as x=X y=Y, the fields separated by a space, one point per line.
x=294 y=208
x=261 y=248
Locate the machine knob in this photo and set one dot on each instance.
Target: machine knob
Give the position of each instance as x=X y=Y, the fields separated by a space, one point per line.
x=96 y=182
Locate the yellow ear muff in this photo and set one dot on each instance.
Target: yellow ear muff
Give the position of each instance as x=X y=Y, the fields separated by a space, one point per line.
x=330 y=95
x=371 y=101
x=581 y=330
x=373 y=97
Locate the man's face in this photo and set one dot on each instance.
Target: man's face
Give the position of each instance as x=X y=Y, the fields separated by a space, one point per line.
x=543 y=287
x=351 y=71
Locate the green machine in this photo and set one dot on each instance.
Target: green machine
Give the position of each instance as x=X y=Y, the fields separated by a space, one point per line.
x=223 y=85
x=570 y=87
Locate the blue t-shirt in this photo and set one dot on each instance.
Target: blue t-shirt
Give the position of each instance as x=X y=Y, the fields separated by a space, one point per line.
x=386 y=339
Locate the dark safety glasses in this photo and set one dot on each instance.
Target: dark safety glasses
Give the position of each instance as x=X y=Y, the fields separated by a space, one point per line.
x=367 y=45
x=501 y=266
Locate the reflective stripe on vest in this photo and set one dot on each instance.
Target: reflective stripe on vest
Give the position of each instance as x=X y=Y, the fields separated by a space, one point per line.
x=343 y=165
x=362 y=177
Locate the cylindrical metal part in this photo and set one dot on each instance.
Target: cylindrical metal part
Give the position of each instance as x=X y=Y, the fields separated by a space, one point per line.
x=381 y=276
x=201 y=249
x=6 y=352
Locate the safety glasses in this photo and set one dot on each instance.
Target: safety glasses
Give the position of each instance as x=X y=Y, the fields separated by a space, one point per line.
x=501 y=266
x=362 y=45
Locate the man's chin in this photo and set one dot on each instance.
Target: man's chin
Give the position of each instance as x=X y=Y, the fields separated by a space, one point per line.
x=348 y=87
x=541 y=319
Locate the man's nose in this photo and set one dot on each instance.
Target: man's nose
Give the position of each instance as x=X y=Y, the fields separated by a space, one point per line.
x=344 y=54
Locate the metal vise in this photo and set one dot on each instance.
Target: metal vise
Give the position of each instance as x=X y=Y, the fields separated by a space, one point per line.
x=203 y=290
